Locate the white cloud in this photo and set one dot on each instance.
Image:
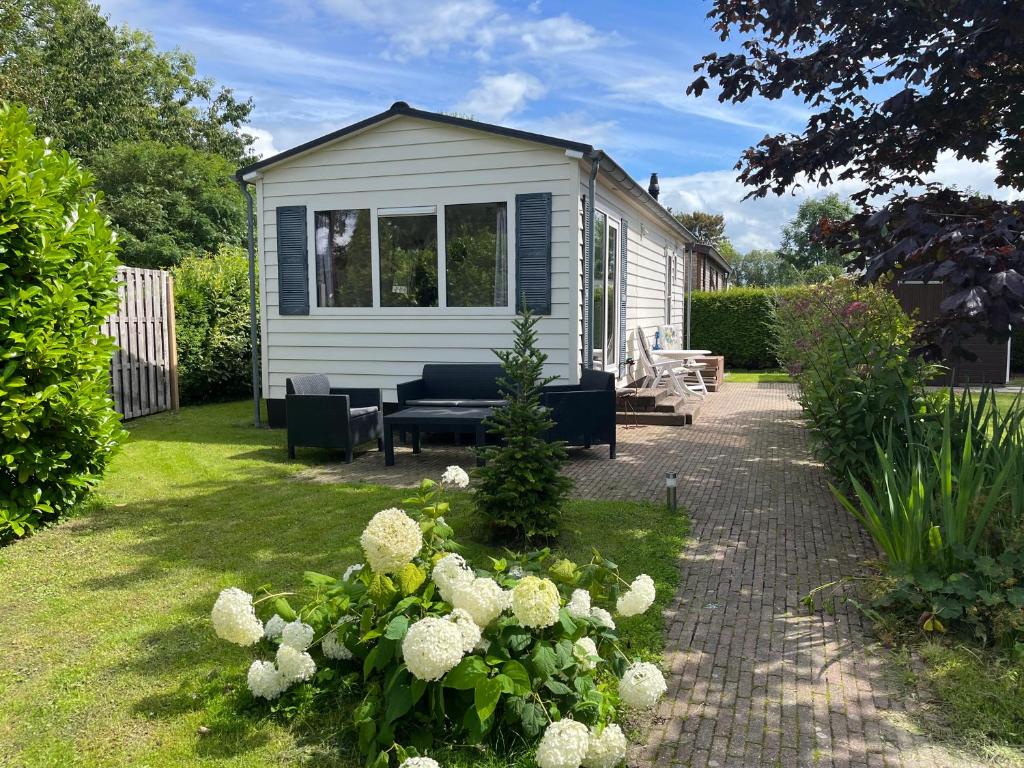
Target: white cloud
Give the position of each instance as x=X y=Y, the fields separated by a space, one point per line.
x=414 y=28
x=263 y=144
x=757 y=223
x=498 y=96
x=558 y=35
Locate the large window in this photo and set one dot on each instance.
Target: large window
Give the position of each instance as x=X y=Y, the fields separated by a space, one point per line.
x=604 y=310
x=476 y=255
x=343 y=263
x=408 y=260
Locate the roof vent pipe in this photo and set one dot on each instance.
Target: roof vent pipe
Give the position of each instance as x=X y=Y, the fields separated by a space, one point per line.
x=653 y=188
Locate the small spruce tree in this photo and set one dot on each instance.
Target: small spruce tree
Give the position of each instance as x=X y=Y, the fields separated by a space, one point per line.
x=520 y=490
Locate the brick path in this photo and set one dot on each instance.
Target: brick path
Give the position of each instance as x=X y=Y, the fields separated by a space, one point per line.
x=754 y=680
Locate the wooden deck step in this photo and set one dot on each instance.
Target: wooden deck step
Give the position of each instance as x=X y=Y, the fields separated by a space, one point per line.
x=641 y=399
x=670 y=411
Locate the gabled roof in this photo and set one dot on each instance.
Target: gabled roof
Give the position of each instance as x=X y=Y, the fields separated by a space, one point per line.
x=709 y=249
x=401 y=109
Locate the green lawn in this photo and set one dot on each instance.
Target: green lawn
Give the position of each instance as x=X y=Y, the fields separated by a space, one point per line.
x=108 y=655
x=757 y=377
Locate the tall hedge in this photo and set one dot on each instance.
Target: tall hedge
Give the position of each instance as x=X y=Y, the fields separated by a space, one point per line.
x=1017 y=351
x=57 y=269
x=739 y=324
x=211 y=309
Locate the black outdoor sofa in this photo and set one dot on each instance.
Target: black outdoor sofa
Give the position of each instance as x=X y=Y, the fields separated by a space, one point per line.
x=584 y=413
x=322 y=416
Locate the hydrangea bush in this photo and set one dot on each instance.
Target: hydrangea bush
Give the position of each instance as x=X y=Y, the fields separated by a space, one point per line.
x=437 y=652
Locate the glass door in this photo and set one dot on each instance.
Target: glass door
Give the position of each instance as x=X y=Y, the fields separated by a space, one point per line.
x=604 y=277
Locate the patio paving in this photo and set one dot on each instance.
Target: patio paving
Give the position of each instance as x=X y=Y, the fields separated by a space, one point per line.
x=754 y=679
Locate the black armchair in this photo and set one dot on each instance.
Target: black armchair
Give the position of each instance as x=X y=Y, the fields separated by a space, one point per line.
x=584 y=413
x=322 y=416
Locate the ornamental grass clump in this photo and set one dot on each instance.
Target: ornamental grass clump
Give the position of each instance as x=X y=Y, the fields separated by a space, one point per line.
x=431 y=653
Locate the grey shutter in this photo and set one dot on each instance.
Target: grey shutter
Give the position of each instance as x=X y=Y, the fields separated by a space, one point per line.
x=292 y=261
x=533 y=252
x=623 y=275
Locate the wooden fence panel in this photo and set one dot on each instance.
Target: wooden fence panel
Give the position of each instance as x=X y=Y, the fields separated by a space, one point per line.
x=143 y=369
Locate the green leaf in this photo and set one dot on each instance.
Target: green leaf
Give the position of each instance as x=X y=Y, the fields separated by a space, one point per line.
x=411 y=578
x=1015 y=597
x=520 y=678
x=466 y=674
x=557 y=688
x=399 y=702
x=544 y=661
x=315 y=579
x=397 y=628
x=381 y=590
x=567 y=623
x=486 y=695
x=284 y=609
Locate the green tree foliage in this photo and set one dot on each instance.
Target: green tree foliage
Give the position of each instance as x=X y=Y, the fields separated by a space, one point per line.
x=800 y=247
x=761 y=268
x=706 y=227
x=520 y=491
x=89 y=85
x=211 y=298
x=168 y=202
x=57 y=267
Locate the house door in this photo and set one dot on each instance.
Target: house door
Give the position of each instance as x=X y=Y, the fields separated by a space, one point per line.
x=604 y=289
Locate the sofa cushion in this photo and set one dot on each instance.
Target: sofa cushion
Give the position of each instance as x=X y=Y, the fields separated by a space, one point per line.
x=591 y=379
x=311 y=384
x=452 y=381
x=365 y=411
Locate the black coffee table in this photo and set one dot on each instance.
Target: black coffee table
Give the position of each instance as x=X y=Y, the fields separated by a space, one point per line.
x=456 y=420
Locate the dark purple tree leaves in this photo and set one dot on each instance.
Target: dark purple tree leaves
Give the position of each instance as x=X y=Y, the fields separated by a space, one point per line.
x=890 y=86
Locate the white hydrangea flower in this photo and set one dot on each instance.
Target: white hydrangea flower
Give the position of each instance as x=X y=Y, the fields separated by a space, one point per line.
x=455 y=475
x=579 y=604
x=420 y=762
x=294 y=665
x=469 y=629
x=481 y=598
x=448 y=573
x=272 y=631
x=333 y=646
x=234 y=619
x=583 y=649
x=641 y=685
x=607 y=749
x=483 y=646
x=297 y=634
x=265 y=681
x=535 y=602
x=391 y=540
x=563 y=745
x=638 y=598
x=601 y=617
x=431 y=647
x=351 y=571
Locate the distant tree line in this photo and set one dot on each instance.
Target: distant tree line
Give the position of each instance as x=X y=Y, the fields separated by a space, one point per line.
x=801 y=259
x=161 y=141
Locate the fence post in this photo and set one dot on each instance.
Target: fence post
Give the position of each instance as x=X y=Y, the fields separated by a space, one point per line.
x=172 y=344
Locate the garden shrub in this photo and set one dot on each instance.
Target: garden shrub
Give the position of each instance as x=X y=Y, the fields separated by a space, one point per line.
x=521 y=490
x=57 y=284
x=433 y=653
x=211 y=309
x=849 y=349
x=739 y=324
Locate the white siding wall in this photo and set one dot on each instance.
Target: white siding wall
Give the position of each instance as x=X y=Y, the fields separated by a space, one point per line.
x=649 y=241
x=408 y=162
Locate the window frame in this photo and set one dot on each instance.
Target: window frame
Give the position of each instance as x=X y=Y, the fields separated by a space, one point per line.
x=378 y=206
x=611 y=220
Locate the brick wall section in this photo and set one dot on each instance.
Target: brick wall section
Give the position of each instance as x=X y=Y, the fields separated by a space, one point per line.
x=754 y=680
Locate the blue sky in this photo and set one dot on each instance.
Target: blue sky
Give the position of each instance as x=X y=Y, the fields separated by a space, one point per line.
x=611 y=74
